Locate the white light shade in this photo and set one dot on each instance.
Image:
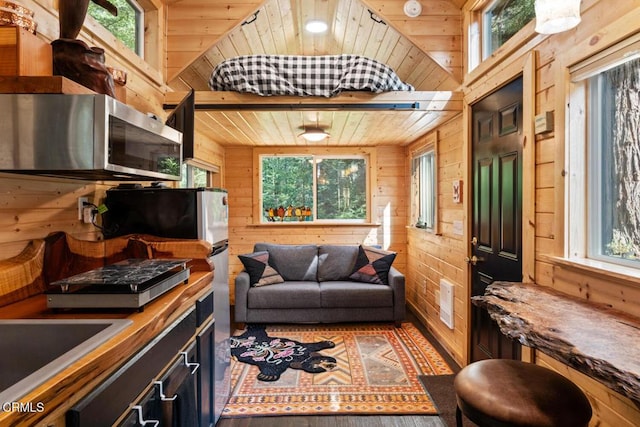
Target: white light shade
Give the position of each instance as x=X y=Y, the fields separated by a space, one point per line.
x=316 y=26
x=314 y=134
x=555 y=16
x=412 y=8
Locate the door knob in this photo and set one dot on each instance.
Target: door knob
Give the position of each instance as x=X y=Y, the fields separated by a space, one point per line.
x=474 y=241
x=473 y=260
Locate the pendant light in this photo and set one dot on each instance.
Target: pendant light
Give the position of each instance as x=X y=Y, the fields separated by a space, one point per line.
x=555 y=16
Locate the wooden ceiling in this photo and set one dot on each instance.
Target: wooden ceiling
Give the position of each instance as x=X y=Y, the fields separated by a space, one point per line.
x=424 y=52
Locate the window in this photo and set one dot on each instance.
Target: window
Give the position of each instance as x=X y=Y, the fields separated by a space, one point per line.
x=607 y=87
x=493 y=23
x=501 y=20
x=424 y=190
x=194 y=177
x=128 y=26
x=313 y=188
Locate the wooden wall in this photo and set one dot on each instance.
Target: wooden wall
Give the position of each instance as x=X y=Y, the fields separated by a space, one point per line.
x=389 y=192
x=431 y=257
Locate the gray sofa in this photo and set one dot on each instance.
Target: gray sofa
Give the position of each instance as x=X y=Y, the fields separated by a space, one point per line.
x=317 y=288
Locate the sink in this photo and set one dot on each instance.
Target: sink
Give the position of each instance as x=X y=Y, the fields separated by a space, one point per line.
x=34 y=350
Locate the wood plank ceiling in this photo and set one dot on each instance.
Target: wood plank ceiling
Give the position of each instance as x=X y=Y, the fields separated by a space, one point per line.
x=276 y=27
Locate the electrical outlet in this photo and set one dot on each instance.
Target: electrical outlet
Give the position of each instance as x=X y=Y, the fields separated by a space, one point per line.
x=87 y=214
x=81 y=202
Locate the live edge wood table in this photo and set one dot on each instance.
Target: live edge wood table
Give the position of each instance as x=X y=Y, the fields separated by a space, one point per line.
x=592 y=338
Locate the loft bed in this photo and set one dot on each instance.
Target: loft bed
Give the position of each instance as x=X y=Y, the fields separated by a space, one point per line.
x=295 y=75
x=298 y=83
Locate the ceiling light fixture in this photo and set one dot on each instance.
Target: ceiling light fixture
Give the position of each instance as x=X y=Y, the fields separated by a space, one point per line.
x=555 y=16
x=412 y=8
x=314 y=134
x=316 y=26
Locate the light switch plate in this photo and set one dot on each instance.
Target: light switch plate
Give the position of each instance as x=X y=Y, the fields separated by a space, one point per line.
x=544 y=122
x=457 y=191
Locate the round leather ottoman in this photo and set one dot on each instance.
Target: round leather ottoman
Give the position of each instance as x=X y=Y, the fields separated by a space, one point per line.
x=500 y=393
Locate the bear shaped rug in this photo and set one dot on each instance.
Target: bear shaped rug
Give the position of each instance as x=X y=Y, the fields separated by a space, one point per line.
x=274 y=355
x=322 y=369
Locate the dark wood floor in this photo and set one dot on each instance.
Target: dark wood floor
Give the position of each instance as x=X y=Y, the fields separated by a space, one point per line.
x=348 y=420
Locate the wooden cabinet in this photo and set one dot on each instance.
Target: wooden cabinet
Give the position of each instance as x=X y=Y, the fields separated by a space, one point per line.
x=24 y=54
x=119 y=394
x=206 y=376
x=171 y=382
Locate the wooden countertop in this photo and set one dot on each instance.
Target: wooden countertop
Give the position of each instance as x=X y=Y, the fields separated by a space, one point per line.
x=66 y=388
x=41 y=84
x=592 y=338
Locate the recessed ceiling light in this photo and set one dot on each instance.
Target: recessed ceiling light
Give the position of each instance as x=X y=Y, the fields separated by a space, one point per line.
x=316 y=26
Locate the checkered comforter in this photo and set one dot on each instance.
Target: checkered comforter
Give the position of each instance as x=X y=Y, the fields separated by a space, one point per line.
x=326 y=75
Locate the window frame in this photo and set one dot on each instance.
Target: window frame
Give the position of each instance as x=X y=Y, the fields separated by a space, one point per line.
x=367 y=153
x=584 y=162
x=188 y=176
x=429 y=148
x=150 y=66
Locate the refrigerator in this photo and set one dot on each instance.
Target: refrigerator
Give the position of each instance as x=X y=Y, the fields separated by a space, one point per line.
x=187 y=213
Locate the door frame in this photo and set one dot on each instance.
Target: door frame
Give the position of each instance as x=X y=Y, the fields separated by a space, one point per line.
x=526 y=66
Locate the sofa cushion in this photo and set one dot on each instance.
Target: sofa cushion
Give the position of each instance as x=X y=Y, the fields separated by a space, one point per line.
x=372 y=265
x=285 y=295
x=336 y=262
x=293 y=262
x=350 y=294
x=260 y=272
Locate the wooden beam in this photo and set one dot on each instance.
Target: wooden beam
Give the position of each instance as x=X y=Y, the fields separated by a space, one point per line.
x=351 y=101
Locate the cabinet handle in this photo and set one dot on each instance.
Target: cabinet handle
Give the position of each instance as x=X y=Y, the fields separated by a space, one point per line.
x=161 y=392
x=142 y=421
x=193 y=365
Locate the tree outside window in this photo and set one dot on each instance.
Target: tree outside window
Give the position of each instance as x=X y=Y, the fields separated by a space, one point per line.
x=313 y=188
x=603 y=186
x=193 y=177
x=502 y=20
x=127 y=26
x=614 y=157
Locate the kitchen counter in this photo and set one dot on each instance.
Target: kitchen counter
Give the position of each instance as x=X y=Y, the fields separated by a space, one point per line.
x=65 y=389
x=592 y=338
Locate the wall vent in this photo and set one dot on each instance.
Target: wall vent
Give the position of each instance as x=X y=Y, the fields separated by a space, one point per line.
x=446 y=303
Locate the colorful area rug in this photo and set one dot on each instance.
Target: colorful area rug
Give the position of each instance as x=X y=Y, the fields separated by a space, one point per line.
x=376 y=372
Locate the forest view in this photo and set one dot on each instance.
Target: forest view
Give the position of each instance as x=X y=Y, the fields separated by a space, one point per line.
x=124 y=26
x=290 y=192
x=505 y=18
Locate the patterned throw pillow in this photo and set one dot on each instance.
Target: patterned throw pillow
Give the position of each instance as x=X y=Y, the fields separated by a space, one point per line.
x=372 y=265
x=260 y=272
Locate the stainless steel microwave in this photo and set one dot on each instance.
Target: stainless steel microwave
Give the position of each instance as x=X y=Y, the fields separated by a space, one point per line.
x=93 y=137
